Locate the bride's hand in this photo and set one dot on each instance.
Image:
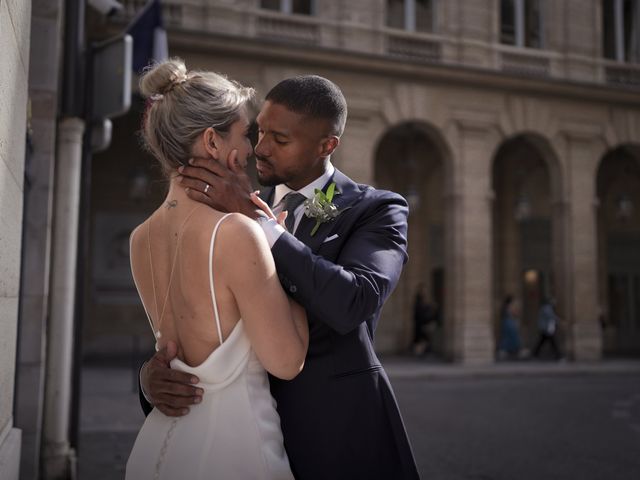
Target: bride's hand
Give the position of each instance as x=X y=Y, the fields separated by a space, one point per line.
x=262 y=205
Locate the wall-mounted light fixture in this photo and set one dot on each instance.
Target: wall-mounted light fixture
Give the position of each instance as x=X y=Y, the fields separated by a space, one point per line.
x=624 y=207
x=522 y=208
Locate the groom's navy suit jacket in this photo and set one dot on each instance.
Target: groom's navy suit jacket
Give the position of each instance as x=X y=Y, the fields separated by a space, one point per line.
x=339 y=416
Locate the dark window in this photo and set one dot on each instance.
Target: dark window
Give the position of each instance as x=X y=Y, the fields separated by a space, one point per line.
x=302 y=7
x=507 y=22
x=411 y=15
x=395 y=13
x=533 y=24
x=631 y=36
x=609 y=29
x=620 y=35
x=270 y=4
x=424 y=15
x=521 y=23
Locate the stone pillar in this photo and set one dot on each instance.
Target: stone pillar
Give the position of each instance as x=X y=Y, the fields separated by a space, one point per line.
x=468 y=246
x=578 y=305
x=34 y=291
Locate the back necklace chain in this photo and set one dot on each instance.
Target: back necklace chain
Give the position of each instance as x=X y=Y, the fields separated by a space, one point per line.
x=173 y=265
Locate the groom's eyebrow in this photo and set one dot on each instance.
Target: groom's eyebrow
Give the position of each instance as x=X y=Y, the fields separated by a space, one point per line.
x=280 y=134
x=283 y=133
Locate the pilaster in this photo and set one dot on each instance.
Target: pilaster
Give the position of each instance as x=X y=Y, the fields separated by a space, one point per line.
x=577 y=217
x=469 y=327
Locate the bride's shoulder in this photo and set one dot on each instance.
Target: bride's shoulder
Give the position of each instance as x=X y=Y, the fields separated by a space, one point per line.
x=232 y=228
x=135 y=238
x=239 y=231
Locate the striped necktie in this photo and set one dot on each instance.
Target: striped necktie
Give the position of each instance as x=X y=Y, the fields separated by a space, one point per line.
x=291 y=201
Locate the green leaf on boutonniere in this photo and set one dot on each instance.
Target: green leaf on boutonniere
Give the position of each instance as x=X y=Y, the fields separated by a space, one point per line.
x=331 y=191
x=320 y=207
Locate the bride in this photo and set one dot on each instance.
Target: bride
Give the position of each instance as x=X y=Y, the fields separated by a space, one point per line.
x=208 y=282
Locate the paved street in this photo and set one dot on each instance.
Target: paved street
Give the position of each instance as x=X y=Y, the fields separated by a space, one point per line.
x=530 y=421
x=524 y=427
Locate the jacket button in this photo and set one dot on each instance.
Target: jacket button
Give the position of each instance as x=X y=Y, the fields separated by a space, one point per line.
x=293 y=289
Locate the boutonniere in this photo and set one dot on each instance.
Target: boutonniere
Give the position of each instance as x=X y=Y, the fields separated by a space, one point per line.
x=321 y=207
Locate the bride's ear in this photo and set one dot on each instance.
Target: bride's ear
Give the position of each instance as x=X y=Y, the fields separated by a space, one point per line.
x=210 y=142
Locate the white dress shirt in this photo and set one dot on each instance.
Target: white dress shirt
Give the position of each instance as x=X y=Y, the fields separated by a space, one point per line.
x=271 y=228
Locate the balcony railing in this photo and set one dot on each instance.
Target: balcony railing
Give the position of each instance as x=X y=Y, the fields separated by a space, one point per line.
x=627 y=75
x=524 y=62
x=414 y=47
x=288 y=28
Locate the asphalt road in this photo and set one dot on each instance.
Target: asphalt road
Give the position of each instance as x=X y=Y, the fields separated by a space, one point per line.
x=582 y=427
x=462 y=427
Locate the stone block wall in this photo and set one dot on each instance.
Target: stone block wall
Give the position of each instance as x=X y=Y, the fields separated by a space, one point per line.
x=15 y=25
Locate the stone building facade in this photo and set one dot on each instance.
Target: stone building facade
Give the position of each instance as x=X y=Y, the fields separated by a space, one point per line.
x=512 y=128
x=15 y=25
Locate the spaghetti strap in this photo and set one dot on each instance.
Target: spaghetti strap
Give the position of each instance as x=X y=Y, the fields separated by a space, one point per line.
x=213 y=293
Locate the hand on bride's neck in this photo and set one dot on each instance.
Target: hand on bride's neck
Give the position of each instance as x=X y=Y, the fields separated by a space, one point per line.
x=176 y=196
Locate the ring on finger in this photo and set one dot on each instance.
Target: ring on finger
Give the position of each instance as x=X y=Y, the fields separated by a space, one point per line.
x=207 y=187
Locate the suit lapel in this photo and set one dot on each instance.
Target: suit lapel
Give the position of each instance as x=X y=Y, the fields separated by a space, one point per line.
x=348 y=195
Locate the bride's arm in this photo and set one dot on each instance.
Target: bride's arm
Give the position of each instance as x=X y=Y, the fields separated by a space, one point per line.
x=277 y=327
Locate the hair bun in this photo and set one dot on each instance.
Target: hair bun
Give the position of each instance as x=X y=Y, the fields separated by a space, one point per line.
x=162 y=77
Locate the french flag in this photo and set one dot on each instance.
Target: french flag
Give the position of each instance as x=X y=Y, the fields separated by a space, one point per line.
x=149 y=36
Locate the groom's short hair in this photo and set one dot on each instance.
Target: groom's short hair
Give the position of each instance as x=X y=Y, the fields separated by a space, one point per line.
x=314 y=96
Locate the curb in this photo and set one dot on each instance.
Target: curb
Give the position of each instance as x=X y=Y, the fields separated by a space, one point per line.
x=400 y=369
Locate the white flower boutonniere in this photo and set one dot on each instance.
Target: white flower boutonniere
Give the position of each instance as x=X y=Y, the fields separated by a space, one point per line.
x=320 y=207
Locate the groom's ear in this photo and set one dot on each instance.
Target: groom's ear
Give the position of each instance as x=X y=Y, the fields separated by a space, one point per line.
x=328 y=145
x=209 y=139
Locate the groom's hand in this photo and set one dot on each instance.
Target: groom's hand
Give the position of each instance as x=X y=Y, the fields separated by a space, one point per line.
x=228 y=188
x=170 y=391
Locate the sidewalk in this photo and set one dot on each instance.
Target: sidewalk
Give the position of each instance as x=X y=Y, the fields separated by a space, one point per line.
x=409 y=367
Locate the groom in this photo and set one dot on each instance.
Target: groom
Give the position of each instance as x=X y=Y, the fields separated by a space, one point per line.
x=339 y=416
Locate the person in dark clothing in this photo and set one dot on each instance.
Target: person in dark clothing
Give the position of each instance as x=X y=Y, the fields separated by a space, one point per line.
x=423 y=315
x=509 y=344
x=547 y=328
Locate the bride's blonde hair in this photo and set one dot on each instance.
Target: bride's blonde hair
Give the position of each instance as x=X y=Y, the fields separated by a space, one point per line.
x=184 y=104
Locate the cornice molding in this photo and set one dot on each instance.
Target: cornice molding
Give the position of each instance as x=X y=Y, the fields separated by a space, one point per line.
x=264 y=50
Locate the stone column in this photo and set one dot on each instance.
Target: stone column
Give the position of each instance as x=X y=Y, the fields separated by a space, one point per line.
x=468 y=246
x=43 y=92
x=578 y=286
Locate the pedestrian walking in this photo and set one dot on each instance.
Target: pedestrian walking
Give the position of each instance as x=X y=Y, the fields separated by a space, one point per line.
x=547 y=328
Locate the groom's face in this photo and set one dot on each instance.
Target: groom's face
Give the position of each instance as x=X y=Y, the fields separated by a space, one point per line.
x=291 y=146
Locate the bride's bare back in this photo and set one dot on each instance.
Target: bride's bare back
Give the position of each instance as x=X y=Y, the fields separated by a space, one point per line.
x=170 y=264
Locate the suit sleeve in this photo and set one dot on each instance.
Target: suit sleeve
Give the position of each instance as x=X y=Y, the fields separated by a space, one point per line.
x=351 y=290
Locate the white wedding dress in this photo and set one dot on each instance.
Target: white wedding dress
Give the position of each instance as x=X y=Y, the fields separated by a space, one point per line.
x=234 y=433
